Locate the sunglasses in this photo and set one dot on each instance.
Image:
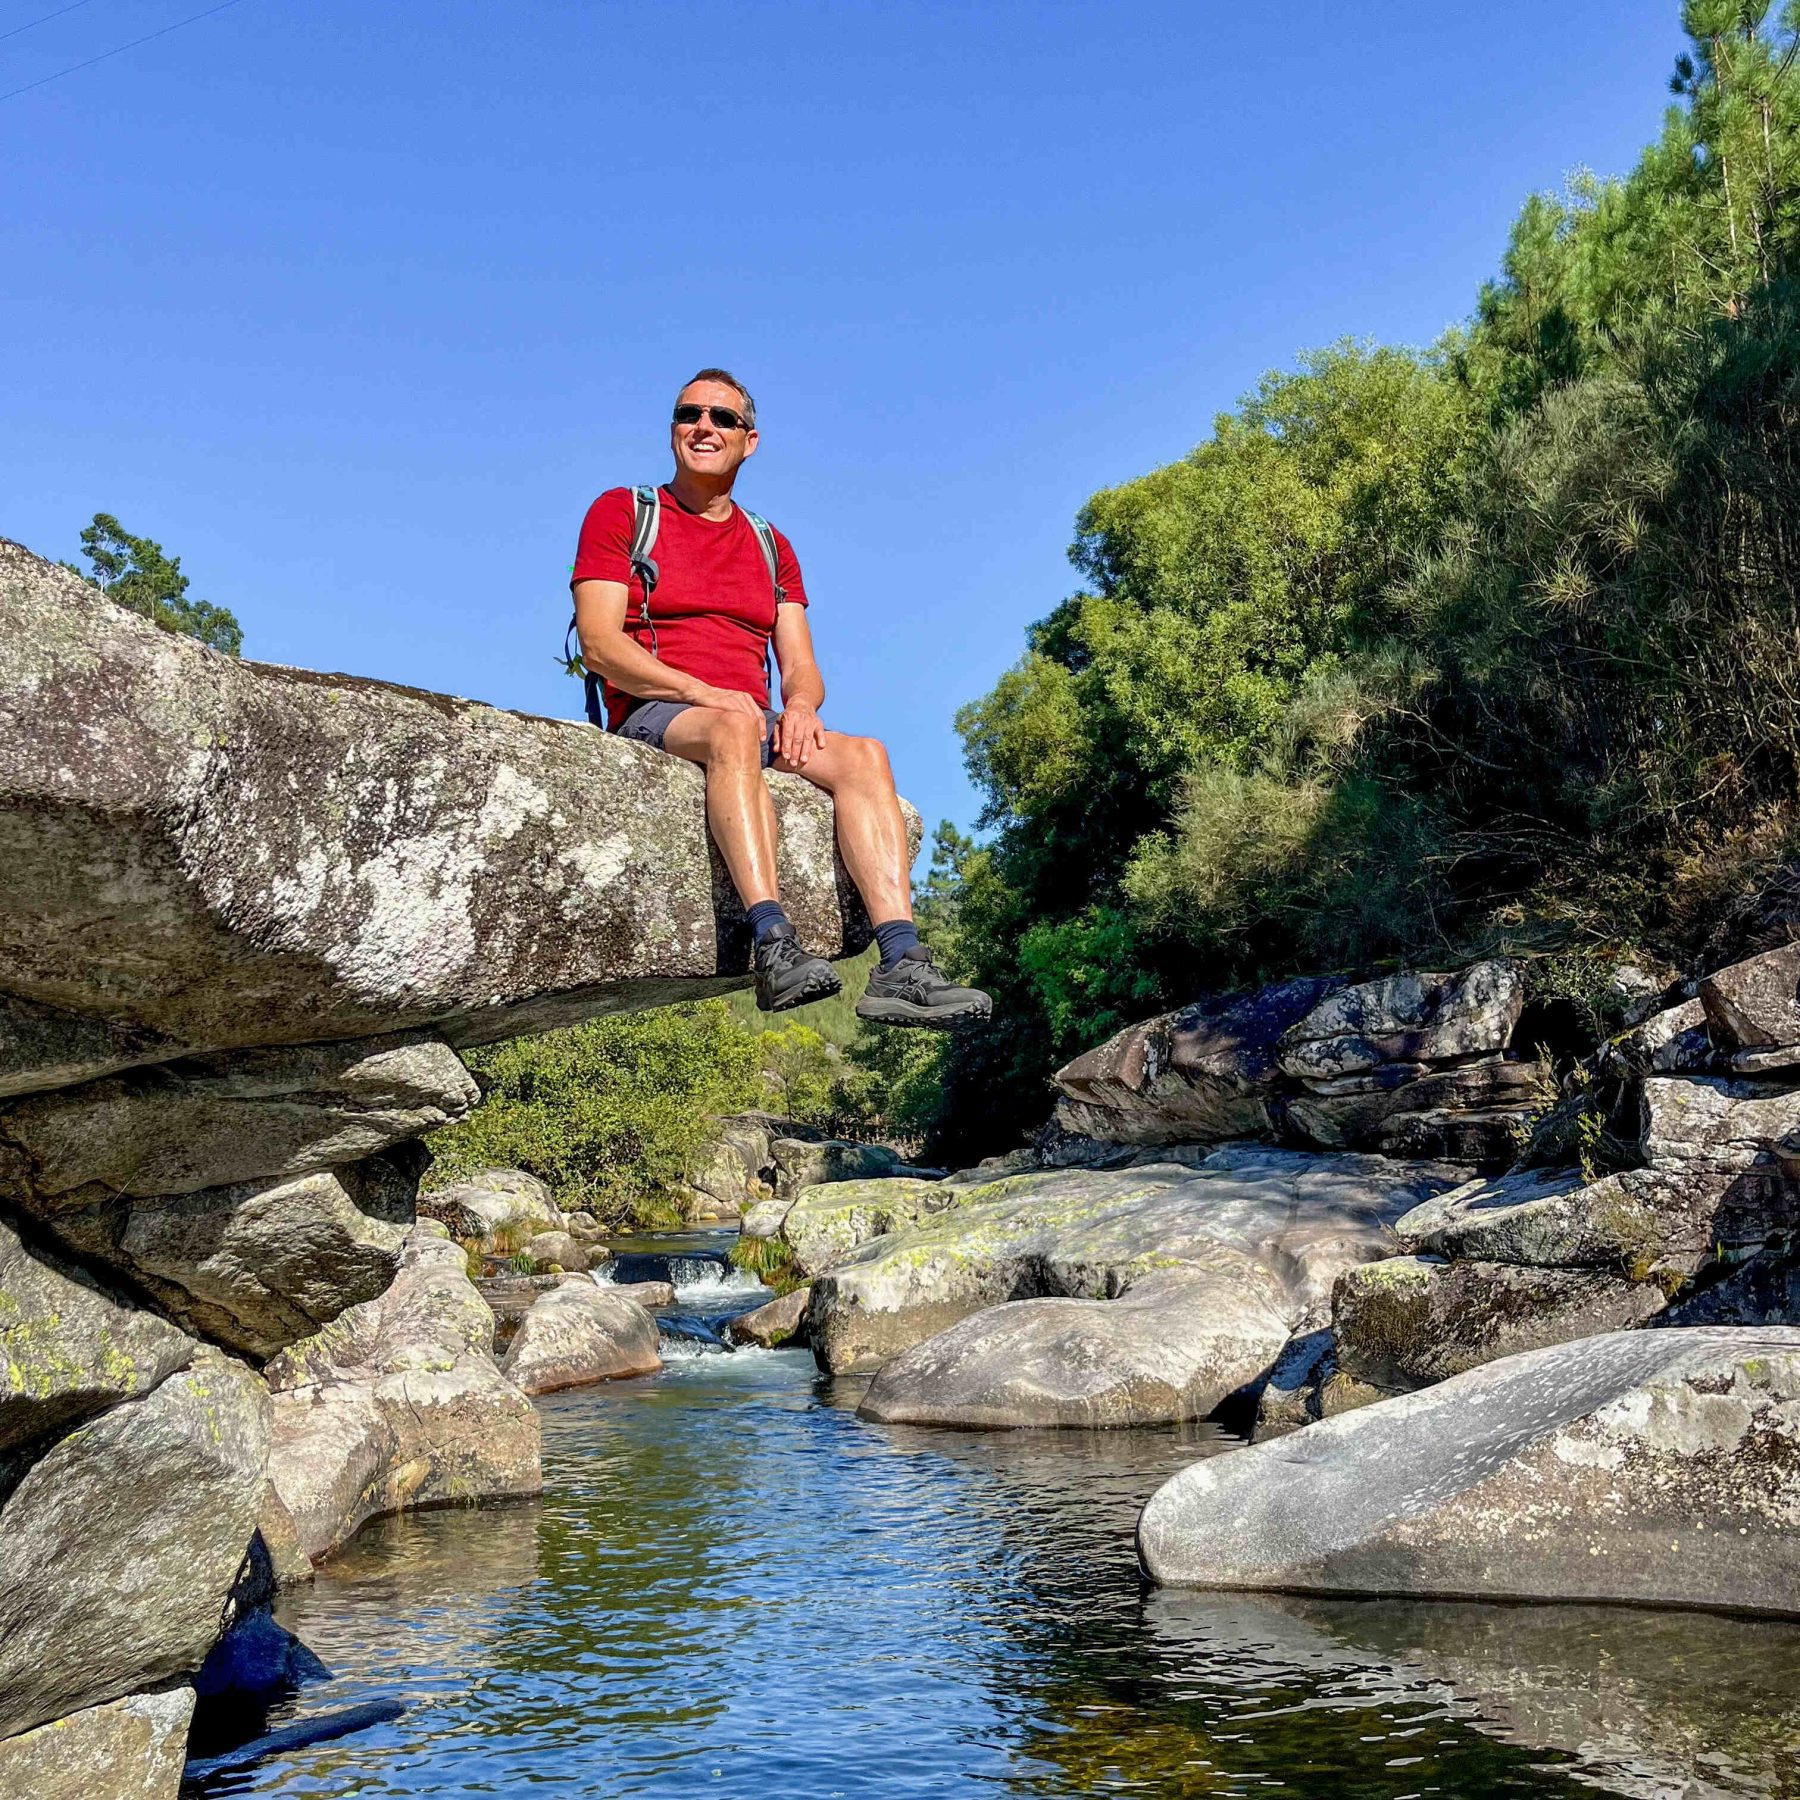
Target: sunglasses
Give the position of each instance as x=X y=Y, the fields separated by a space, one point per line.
x=721 y=416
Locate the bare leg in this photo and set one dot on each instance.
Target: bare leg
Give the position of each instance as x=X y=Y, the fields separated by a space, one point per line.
x=871 y=833
x=739 y=811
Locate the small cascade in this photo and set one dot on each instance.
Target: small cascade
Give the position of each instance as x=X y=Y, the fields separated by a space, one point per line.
x=684 y=1335
x=698 y=1277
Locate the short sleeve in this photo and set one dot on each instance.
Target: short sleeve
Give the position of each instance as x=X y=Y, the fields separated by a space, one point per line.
x=603 y=551
x=787 y=571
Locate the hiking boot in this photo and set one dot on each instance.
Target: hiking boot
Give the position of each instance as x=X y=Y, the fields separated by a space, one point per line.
x=912 y=992
x=787 y=976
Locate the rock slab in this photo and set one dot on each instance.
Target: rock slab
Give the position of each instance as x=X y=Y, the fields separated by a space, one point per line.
x=131 y=1749
x=1657 y=1467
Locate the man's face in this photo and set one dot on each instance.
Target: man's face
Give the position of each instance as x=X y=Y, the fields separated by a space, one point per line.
x=705 y=448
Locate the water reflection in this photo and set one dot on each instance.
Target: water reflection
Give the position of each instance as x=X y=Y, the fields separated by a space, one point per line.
x=734 y=1585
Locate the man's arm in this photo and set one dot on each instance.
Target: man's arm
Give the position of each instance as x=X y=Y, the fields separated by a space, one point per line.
x=609 y=650
x=798 y=732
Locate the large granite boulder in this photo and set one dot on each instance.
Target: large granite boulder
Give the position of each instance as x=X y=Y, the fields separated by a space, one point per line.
x=130 y=1749
x=198 y=853
x=1754 y=1005
x=492 y=1202
x=1172 y=1347
x=1706 y=1123
x=1417 y=1018
x=119 y=1545
x=1408 y=1321
x=824 y=1224
x=1647 y=1223
x=1660 y=1467
x=1197 y=1075
x=1094 y=1234
x=578 y=1333
x=774 y=1323
x=801 y=1163
x=398 y=1402
x=69 y=1349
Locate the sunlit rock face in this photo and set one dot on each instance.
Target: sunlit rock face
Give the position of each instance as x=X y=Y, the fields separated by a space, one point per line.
x=1652 y=1466
x=198 y=853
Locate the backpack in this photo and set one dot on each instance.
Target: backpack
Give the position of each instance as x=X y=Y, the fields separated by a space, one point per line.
x=648 y=502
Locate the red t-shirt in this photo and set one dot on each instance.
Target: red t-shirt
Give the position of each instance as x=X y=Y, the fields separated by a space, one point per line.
x=713 y=608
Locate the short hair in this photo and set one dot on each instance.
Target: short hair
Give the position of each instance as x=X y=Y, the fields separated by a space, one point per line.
x=731 y=381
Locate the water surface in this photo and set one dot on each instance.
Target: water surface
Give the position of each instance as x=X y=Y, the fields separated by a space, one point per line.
x=733 y=1585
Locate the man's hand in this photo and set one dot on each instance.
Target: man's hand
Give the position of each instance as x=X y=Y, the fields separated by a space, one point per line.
x=732 y=700
x=798 y=733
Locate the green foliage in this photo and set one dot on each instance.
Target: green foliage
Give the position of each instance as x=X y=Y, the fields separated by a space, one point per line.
x=799 y=1073
x=135 y=572
x=769 y=1259
x=1424 y=655
x=607 y=1113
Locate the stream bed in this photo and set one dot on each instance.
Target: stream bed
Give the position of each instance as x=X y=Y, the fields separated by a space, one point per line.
x=732 y=1585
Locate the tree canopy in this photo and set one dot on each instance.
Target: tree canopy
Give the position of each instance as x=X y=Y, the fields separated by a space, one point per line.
x=137 y=573
x=1421 y=653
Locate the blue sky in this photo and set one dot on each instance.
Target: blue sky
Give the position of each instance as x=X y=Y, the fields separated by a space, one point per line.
x=356 y=306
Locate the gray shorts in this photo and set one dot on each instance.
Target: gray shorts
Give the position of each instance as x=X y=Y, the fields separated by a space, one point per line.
x=649 y=719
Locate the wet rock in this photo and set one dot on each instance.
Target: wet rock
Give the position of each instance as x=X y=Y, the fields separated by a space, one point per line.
x=1644 y=1222
x=257 y=1659
x=119 y=1544
x=1657 y=1467
x=1707 y=1123
x=824 y=1224
x=1410 y=1321
x=1175 y=1345
x=781 y=1321
x=1093 y=1234
x=1755 y=1004
x=68 y=1350
x=1418 y=1018
x=800 y=1165
x=560 y=1248
x=398 y=1403
x=129 y=1749
x=1197 y=1075
x=579 y=1333
x=227 y=853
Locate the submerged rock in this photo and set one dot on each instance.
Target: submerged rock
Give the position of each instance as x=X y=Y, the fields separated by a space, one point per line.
x=1660 y=1467
x=781 y=1321
x=130 y=1749
x=1245 y=1212
x=118 y=1546
x=578 y=1333
x=398 y=1403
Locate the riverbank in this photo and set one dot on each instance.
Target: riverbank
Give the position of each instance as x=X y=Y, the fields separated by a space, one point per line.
x=732 y=1583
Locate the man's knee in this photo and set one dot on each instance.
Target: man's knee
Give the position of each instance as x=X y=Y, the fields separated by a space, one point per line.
x=734 y=738
x=868 y=759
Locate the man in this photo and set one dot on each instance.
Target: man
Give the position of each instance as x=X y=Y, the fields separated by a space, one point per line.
x=679 y=642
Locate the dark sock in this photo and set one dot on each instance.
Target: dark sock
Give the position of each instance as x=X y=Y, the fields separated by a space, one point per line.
x=766 y=917
x=896 y=937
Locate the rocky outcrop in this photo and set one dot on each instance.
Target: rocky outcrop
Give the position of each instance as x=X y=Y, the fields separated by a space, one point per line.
x=579 y=1333
x=1651 y=1466
x=492 y=1202
x=398 y=1402
x=200 y=854
x=825 y=1224
x=247 y=917
x=1275 y=1226
x=1410 y=1065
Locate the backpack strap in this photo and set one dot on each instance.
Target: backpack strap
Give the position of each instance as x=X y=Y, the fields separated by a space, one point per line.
x=765 y=537
x=646 y=521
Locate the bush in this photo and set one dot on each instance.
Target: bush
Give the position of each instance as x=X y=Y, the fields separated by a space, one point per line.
x=608 y=1113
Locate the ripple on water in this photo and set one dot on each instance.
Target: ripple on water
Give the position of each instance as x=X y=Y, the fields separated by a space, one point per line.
x=733 y=1585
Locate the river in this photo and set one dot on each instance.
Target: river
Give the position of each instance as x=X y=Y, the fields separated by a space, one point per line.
x=733 y=1586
